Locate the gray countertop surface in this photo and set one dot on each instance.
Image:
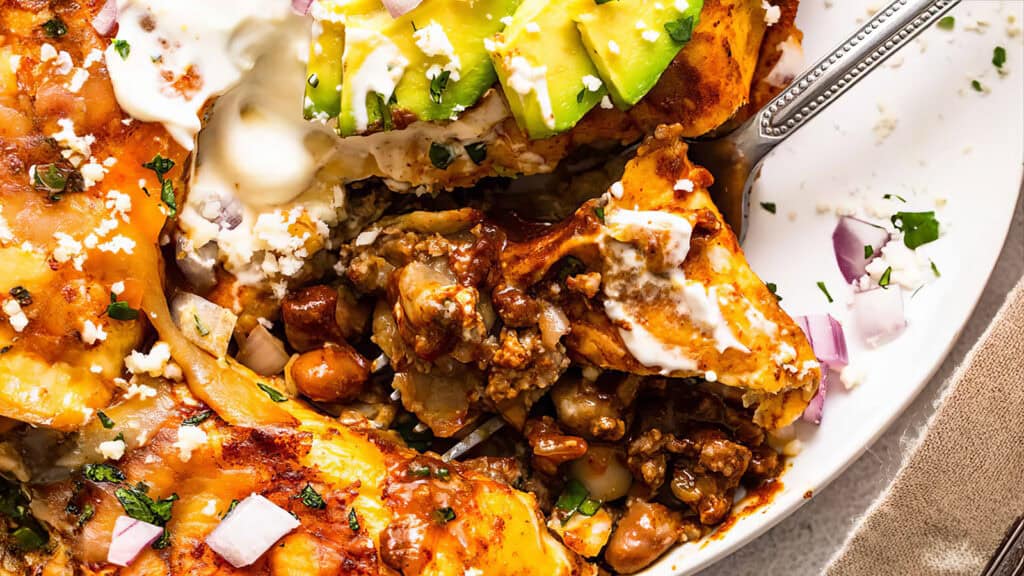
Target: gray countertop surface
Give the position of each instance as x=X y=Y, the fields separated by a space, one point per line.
x=804 y=542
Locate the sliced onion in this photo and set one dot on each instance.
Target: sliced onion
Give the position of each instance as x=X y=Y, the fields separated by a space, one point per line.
x=483 y=432
x=130 y=537
x=251 y=529
x=879 y=315
x=106 y=18
x=301 y=7
x=263 y=352
x=204 y=323
x=399 y=8
x=849 y=239
x=825 y=334
x=816 y=407
x=553 y=324
x=198 y=265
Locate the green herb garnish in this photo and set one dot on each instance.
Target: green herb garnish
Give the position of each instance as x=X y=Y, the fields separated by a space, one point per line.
x=869 y=251
x=824 y=290
x=103 y=473
x=200 y=328
x=88 y=511
x=311 y=498
x=438 y=84
x=589 y=507
x=919 y=228
x=977 y=86
x=121 y=310
x=896 y=196
x=477 y=152
x=774 y=289
x=140 y=506
x=274 y=394
x=105 y=420
x=442 y=474
x=885 y=280
x=441 y=156
x=999 y=57
x=599 y=212
x=946 y=23
x=313 y=80
x=419 y=470
x=231 y=507
x=444 y=515
x=55 y=27
x=161 y=166
x=122 y=48
x=55 y=180
x=197 y=419
x=581 y=95
x=28 y=538
x=680 y=30
x=935 y=270
x=769 y=206
x=353 y=520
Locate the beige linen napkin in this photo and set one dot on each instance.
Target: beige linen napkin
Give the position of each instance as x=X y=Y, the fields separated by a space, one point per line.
x=961 y=488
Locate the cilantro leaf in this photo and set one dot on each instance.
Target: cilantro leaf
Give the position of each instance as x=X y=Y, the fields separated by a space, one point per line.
x=919 y=228
x=680 y=30
x=103 y=473
x=311 y=498
x=274 y=394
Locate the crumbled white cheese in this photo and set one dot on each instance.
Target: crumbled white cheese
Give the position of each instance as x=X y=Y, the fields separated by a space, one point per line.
x=606 y=103
x=77 y=80
x=153 y=363
x=15 y=316
x=211 y=508
x=532 y=28
x=92 y=57
x=852 y=376
x=119 y=204
x=524 y=79
x=92 y=173
x=47 y=52
x=190 y=438
x=592 y=83
x=613 y=47
x=117 y=288
x=92 y=333
x=117 y=244
x=112 y=449
x=909 y=268
x=173 y=372
x=432 y=41
x=5 y=230
x=650 y=35
x=63 y=63
x=76 y=147
x=771 y=13
x=68 y=249
x=683 y=186
x=616 y=190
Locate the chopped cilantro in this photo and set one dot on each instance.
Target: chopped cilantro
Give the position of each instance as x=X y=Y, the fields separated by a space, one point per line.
x=200 y=328
x=919 y=228
x=946 y=23
x=599 y=212
x=311 y=498
x=935 y=270
x=353 y=520
x=441 y=156
x=121 y=310
x=122 y=48
x=197 y=419
x=444 y=515
x=55 y=27
x=442 y=474
x=55 y=180
x=885 y=280
x=589 y=507
x=824 y=290
x=105 y=420
x=769 y=206
x=313 y=80
x=438 y=84
x=386 y=117
x=869 y=251
x=581 y=95
x=103 y=473
x=160 y=165
x=999 y=57
x=167 y=196
x=896 y=196
x=87 y=513
x=274 y=394
x=231 y=507
x=138 y=505
x=23 y=296
x=419 y=470
x=477 y=152
x=977 y=86
x=680 y=30
x=774 y=289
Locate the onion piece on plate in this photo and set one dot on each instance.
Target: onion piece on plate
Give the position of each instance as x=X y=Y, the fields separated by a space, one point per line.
x=301 y=7
x=263 y=352
x=879 y=315
x=399 y=8
x=130 y=537
x=204 y=323
x=249 y=530
x=826 y=337
x=849 y=240
x=816 y=407
x=106 y=18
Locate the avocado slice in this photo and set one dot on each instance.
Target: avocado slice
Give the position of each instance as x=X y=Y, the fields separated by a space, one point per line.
x=544 y=68
x=372 y=66
x=323 y=71
x=449 y=67
x=632 y=42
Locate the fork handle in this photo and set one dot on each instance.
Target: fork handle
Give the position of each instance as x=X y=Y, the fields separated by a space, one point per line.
x=830 y=77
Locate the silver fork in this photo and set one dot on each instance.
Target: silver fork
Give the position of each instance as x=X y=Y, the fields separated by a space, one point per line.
x=736 y=158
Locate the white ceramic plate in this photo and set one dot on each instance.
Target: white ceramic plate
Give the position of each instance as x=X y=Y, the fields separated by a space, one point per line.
x=949 y=143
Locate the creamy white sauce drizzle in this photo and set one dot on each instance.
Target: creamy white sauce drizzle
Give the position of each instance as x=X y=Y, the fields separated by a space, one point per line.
x=169 y=41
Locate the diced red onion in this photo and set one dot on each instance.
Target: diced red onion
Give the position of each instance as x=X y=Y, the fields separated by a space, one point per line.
x=106 y=18
x=825 y=334
x=130 y=537
x=263 y=353
x=301 y=7
x=816 y=407
x=400 y=7
x=849 y=239
x=879 y=315
x=483 y=432
x=251 y=529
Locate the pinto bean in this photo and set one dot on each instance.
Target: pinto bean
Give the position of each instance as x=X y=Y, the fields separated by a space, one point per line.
x=334 y=373
x=643 y=534
x=310 y=317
